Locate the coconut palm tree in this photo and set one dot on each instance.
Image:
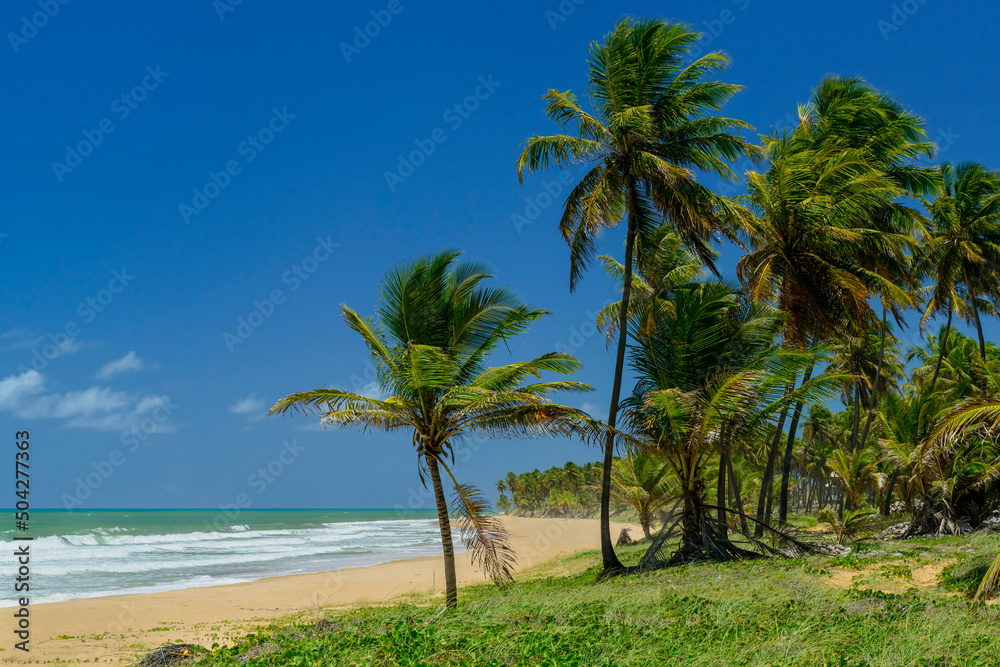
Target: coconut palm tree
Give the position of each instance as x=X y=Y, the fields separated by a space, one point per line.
x=436 y=324
x=962 y=251
x=667 y=264
x=709 y=379
x=653 y=126
x=644 y=482
x=812 y=207
x=852 y=122
x=857 y=471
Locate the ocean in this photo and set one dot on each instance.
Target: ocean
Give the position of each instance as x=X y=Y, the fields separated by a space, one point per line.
x=86 y=554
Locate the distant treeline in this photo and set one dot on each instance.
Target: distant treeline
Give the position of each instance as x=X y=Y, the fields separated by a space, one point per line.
x=568 y=491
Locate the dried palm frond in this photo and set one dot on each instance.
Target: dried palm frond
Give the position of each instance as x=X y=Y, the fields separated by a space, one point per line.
x=990 y=584
x=484 y=535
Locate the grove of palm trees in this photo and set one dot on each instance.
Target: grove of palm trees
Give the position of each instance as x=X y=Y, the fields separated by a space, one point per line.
x=832 y=391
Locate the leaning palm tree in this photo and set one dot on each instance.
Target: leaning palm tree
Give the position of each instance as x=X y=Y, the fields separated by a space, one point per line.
x=654 y=125
x=852 y=122
x=813 y=206
x=963 y=248
x=435 y=328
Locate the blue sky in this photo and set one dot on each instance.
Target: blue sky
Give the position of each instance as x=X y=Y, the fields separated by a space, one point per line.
x=173 y=167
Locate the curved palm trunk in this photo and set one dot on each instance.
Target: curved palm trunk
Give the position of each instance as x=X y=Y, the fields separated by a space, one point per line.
x=765 y=484
x=610 y=560
x=875 y=382
x=887 y=501
x=979 y=327
x=942 y=346
x=450 y=581
x=786 y=464
x=734 y=490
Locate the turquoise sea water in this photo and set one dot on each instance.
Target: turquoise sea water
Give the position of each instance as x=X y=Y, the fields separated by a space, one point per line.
x=110 y=552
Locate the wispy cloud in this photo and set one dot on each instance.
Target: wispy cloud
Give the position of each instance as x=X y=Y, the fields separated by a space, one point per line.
x=251 y=406
x=312 y=425
x=97 y=408
x=130 y=363
x=52 y=346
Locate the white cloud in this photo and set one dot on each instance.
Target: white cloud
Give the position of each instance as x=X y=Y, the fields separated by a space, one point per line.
x=14 y=388
x=98 y=408
x=592 y=409
x=251 y=405
x=129 y=363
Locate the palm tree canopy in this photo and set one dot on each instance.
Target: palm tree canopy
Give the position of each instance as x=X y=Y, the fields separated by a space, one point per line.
x=963 y=241
x=435 y=327
x=653 y=126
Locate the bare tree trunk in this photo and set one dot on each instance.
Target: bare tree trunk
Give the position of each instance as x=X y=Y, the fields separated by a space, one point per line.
x=765 y=484
x=941 y=348
x=887 y=504
x=720 y=493
x=450 y=581
x=857 y=419
x=878 y=376
x=734 y=488
x=786 y=464
x=609 y=559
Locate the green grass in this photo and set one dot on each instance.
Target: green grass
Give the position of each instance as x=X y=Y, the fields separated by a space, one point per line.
x=779 y=612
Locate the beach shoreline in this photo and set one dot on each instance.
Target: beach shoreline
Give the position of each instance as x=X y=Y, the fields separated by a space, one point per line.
x=116 y=628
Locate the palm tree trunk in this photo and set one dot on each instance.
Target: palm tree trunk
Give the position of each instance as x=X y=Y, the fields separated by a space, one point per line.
x=979 y=327
x=644 y=521
x=887 y=504
x=786 y=464
x=765 y=483
x=720 y=492
x=941 y=348
x=875 y=382
x=450 y=581
x=610 y=560
x=857 y=419
x=734 y=489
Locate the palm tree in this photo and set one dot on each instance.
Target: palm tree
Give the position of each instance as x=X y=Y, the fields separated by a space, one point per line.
x=435 y=328
x=850 y=121
x=644 y=482
x=709 y=380
x=963 y=248
x=850 y=525
x=653 y=126
x=667 y=264
x=812 y=209
x=818 y=439
x=856 y=471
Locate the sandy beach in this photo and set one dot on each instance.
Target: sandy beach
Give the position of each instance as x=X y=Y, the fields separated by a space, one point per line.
x=116 y=628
